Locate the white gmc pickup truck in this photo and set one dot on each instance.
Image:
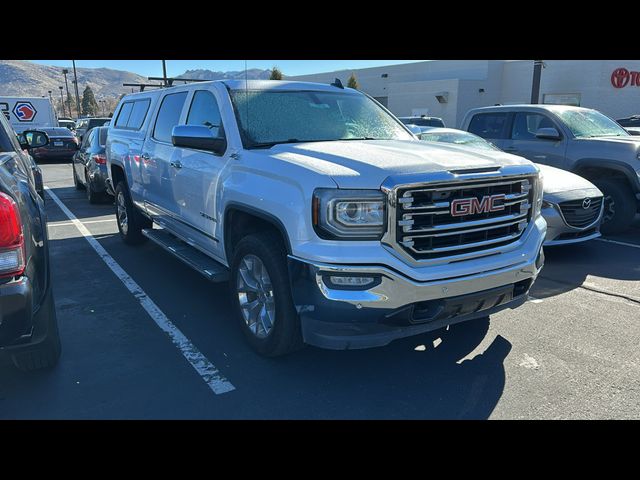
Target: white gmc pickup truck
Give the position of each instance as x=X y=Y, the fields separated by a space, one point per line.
x=333 y=224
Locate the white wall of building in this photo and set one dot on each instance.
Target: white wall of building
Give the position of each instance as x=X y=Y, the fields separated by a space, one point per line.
x=413 y=86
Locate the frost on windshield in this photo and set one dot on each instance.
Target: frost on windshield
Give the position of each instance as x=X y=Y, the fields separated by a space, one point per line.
x=586 y=123
x=297 y=116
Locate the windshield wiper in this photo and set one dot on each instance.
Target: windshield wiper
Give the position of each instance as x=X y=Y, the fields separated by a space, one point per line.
x=361 y=138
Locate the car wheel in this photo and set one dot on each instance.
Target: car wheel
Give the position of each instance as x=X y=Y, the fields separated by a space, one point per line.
x=262 y=295
x=46 y=354
x=92 y=195
x=76 y=182
x=620 y=206
x=130 y=221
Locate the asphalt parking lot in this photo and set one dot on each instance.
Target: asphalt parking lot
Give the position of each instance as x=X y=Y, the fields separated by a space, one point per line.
x=570 y=352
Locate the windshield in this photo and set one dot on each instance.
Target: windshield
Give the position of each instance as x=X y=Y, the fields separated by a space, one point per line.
x=466 y=139
x=589 y=123
x=266 y=118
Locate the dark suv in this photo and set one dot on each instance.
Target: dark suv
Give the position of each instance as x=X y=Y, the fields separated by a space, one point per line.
x=28 y=325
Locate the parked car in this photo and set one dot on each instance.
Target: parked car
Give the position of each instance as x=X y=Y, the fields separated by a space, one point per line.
x=423 y=121
x=632 y=121
x=62 y=144
x=580 y=140
x=333 y=224
x=571 y=205
x=70 y=124
x=83 y=125
x=90 y=165
x=28 y=324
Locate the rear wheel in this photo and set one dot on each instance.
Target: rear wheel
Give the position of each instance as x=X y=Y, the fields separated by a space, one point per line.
x=130 y=221
x=620 y=205
x=92 y=195
x=76 y=182
x=262 y=296
x=44 y=355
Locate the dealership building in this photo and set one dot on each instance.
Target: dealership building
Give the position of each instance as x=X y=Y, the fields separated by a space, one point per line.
x=449 y=88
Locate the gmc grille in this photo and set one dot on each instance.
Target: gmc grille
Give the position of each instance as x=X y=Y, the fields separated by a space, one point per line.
x=577 y=216
x=426 y=229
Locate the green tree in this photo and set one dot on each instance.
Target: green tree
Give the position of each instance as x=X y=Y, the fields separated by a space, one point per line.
x=89 y=104
x=353 y=82
x=276 y=74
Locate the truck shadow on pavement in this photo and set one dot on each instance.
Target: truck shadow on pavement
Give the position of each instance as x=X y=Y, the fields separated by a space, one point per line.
x=567 y=267
x=408 y=379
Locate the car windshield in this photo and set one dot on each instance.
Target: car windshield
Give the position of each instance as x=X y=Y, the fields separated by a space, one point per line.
x=267 y=117
x=589 y=124
x=462 y=138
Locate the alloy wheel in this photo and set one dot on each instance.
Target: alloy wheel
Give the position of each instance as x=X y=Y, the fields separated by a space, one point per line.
x=123 y=220
x=255 y=295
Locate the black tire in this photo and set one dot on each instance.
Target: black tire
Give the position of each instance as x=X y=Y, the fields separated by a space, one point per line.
x=620 y=206
x=135 y=221
x=76 y=182
x=44 y=355
x=93 y=196
x=285 y=336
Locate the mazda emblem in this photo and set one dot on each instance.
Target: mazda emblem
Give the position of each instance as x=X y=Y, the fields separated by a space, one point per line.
x=586 y=203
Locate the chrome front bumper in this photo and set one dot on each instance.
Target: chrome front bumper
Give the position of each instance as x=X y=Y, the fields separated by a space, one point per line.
x=339 y=318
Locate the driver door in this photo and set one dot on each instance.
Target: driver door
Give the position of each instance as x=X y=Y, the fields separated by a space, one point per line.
x=522 y=140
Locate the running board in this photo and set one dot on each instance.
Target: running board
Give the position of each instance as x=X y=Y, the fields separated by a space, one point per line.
x=205 y=265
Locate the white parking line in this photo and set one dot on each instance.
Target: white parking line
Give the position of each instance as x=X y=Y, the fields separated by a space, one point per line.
x=86 y=222
x=632 y=245
x=209 y=373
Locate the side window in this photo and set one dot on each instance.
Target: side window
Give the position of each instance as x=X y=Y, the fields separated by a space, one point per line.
x=138 y=114
x=123 y=116
x=168 y=116
x=204 y=111
x=88 y=139
x=525 y=125
x=488 y=125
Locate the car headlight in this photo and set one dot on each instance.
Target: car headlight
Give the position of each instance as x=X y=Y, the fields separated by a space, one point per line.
x=538 y=195
x=349 y=214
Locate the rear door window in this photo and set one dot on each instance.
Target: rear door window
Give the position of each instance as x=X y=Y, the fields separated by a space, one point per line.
x=168 y=116
x=488 y=125
x=123 y=116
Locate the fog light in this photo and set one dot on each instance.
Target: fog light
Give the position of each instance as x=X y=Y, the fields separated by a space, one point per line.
x=351 y=281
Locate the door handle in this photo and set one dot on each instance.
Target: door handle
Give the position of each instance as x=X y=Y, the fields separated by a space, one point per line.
x=145 y=156
x=176 y=164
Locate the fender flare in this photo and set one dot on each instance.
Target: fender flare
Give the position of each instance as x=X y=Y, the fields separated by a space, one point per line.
x=620 y=167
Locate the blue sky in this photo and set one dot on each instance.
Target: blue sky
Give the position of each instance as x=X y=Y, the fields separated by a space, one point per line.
x=153 y=68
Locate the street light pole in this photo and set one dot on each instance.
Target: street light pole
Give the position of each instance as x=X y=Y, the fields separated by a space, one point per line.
x=65 y=72
x=535 y=85
x=50 y=98
x=164 y=72
x=61 y=99
x=75 y=80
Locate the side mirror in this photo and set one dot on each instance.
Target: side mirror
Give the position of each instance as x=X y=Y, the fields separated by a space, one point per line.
x=198 y=137
x=548 y=133
x=30 y=139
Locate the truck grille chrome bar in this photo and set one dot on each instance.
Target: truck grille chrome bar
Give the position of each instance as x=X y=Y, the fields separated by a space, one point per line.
x=428 y=226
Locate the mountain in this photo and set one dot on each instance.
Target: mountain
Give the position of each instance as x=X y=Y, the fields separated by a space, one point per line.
x=24 y=78
x=251 y=74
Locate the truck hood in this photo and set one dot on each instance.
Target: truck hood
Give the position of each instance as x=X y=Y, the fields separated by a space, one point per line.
x=630 y=139
x=365 y=164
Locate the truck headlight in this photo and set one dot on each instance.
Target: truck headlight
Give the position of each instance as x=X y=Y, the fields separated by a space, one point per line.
x=349 y=214
x=538 y=196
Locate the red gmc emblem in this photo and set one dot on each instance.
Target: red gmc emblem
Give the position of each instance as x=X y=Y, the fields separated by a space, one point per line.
x=471 y=206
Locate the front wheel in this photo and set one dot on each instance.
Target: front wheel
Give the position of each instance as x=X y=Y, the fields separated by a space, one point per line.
x=130 y=221
x=262 y=296
x=620 y=206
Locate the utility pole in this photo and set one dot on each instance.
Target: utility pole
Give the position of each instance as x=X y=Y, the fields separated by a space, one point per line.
x=75 y=80
x=535 y=86
x=164 y=72
x=61 y=100
x=65 y=72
